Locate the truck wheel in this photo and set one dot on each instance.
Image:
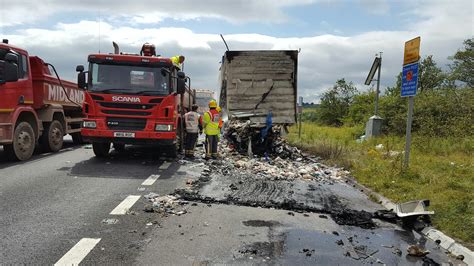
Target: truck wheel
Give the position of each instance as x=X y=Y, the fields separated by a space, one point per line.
x=24 y=141
x=119 y=147
x=101 y=149
x=172 y=151
x=52 y=138
x=77 y=138
x=179 y=140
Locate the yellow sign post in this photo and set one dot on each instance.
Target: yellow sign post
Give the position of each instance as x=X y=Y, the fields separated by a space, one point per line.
x=412 y=51
x=412 y=55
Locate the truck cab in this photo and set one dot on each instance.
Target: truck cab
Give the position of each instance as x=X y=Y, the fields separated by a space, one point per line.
x=133 y=99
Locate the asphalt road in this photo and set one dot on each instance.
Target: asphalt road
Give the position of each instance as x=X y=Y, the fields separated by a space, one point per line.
x=56 y=208
x=51 y=202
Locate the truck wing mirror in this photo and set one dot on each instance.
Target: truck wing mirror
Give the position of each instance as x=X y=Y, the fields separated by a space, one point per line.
x=8 y=71
x=81 y=77
x=81 y=80
x=181 y=75
x=11 y=58
x=181 y=86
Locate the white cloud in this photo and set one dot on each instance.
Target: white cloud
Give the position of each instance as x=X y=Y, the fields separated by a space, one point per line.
x=376 y=7
x=17 y=12
x=323 y=59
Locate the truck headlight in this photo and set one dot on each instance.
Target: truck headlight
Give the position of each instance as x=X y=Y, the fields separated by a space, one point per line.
x=89 y=124
x=159 y=127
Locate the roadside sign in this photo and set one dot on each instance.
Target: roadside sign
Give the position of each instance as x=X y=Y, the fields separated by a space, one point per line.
x=409 y=84
x=412 y=51
x=409 y=80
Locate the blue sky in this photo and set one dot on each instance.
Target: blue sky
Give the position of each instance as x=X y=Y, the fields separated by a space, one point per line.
x=338 y=38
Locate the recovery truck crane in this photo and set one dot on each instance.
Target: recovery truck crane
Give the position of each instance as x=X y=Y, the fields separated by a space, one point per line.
x=134 y=99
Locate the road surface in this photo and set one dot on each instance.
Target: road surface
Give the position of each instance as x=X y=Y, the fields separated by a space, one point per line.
x=70 y=207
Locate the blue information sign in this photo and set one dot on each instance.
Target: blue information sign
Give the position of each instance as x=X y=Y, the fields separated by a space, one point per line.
x=409 y=80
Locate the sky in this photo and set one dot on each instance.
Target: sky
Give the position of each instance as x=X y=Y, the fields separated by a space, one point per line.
x=336 y=38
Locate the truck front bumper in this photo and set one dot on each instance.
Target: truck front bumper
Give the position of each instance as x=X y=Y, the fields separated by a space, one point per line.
x=140 y=137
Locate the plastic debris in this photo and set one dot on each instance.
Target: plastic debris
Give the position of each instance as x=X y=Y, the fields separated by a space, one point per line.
x=110 y=221
x=417 y=251
x=168 y=204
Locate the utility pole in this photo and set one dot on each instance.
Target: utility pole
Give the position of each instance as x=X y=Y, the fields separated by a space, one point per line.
x=300 y=112
x=376 y=111
x=373 y=127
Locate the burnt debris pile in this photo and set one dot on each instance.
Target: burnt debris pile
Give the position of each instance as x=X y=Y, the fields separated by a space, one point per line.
x=248 y=138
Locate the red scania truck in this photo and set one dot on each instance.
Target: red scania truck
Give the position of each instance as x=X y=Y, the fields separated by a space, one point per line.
x=35 y=105
x=133 y=99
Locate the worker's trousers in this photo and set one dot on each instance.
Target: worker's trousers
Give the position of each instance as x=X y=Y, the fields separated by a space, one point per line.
x=211 y=146
x=191 y=139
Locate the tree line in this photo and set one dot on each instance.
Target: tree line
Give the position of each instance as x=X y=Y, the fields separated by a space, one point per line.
x=443 y=106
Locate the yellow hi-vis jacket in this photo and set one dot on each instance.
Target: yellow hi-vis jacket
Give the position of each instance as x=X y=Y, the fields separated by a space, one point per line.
x=212 y=122
x=175 y=60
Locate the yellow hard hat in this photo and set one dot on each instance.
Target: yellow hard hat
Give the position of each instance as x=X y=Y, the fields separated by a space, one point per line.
x=218 y=109
x=212 y=104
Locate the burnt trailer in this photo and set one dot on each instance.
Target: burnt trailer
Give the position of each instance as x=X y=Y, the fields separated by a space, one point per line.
x=257 y=88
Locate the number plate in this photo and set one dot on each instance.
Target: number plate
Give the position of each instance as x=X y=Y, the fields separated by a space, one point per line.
x=124 y=134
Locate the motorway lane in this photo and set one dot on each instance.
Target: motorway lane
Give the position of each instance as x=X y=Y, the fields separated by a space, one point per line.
x=51 y=202
x=57 y=206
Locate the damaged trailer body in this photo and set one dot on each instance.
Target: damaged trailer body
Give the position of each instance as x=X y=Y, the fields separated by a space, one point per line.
x=258 y=91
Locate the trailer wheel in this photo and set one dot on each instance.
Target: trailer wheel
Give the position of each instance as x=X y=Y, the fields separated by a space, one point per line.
x=52 y=138
x=24 y=142
x=77 y=138
x=101 y=149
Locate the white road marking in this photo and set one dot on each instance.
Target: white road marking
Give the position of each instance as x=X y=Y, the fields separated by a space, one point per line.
x=150 y=180
x=165 y=165
x=125 y=205
x=77 y=253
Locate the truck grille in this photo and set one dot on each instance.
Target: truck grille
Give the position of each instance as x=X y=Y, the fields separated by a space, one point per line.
x=125 y=112
x=118 y=123
x=127 y=105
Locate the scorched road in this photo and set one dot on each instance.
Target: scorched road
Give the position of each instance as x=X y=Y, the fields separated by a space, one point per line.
x=139 y=208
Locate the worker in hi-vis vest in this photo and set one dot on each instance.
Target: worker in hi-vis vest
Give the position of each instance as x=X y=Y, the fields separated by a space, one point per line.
x=178 y=61
x=191 y=119
x=211 y=122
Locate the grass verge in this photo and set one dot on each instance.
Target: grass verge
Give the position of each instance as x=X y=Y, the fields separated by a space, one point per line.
x=441 y=169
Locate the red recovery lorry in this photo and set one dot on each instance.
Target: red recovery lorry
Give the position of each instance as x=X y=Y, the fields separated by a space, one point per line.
x=134 y=99
x=35 y=105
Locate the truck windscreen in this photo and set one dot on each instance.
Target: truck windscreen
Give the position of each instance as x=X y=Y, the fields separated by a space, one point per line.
x=128 y=79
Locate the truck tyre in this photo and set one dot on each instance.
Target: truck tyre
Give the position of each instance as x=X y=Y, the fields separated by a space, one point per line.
x=176 y=149
x=52 y=138
x=24 y=141
x=101 y=149
x=172 y=151
x=77 y=138
x=119 y=147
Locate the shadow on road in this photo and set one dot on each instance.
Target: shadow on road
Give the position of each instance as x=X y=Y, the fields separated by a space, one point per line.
x=134 y=162
x=37 y=155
